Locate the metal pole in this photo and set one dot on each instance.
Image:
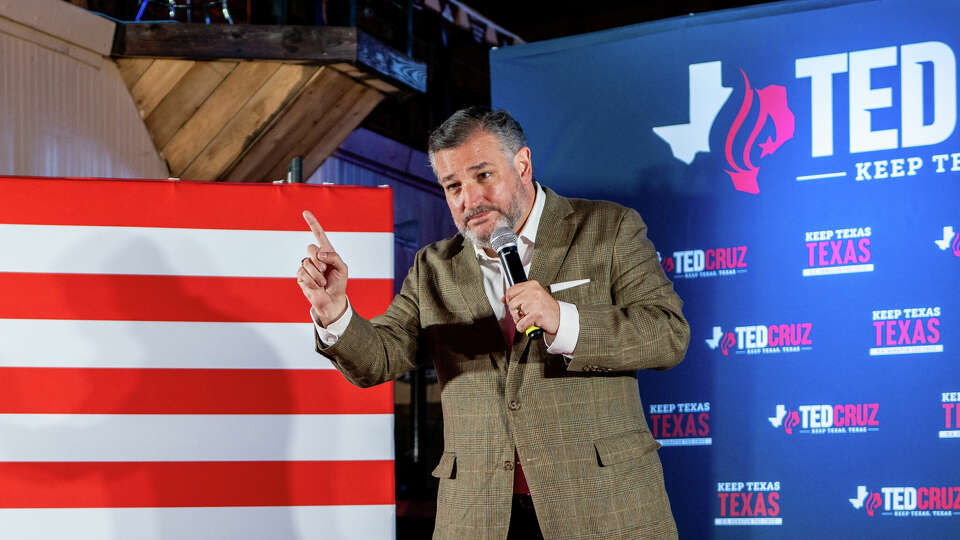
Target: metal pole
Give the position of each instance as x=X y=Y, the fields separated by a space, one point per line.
x=295 y=170
x=418 y=411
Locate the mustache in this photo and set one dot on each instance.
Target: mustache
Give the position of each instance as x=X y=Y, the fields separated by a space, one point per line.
x=479 y=210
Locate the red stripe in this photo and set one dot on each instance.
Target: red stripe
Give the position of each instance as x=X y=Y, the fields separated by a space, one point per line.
x=169 y=484
x=194 y=205
x=187 y=391
x=172 y=298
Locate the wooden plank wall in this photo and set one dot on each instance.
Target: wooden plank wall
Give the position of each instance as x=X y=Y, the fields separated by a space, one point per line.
x=244 y=121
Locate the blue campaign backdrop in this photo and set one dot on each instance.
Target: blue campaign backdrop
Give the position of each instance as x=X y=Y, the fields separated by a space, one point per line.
x=798 y=166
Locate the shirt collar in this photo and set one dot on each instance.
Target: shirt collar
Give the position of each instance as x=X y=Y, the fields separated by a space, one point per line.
x=528 y=234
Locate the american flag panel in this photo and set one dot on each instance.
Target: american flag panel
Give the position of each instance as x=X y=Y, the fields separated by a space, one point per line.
x=158 y=378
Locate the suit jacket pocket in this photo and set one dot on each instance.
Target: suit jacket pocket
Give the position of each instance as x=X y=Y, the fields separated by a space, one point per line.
x=624 y=447
x=586 y=294
x=447 y=468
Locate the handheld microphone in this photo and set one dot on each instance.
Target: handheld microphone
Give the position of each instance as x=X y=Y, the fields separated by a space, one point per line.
x=504 y=242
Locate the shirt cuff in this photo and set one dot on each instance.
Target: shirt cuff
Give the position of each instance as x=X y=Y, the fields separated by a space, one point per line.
x=568 y=331
x=332 y=333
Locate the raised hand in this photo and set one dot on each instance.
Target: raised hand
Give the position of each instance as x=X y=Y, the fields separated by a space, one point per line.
x=323 y=276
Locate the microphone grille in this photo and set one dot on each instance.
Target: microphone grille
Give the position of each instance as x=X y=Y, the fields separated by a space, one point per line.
x=502 y=237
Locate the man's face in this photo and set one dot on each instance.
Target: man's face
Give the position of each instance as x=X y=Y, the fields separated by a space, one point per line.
x=484 y=188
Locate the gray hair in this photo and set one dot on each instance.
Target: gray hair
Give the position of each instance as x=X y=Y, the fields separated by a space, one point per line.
x=465 y=123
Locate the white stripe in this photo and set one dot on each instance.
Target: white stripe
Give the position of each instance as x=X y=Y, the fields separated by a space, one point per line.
x=151 y=344
x=195 y=437
x=187 y=252
x=950 y=434
x=908 y=349
x=747 y=521
x=818 y=176
x=372 y=522
x=832 y=270
x=700 y=441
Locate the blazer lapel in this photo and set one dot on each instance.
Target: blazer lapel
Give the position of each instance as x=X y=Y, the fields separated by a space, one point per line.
x=553 y=239
x=554 y=234
x=469 y=279
x=466 y=272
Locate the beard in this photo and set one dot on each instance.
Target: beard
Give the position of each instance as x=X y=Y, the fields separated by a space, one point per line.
x=503 y=220
x=509 y=217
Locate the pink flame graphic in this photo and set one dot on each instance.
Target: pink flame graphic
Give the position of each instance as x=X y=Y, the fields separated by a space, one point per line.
x=773 y=105
x=726 y=343
x=667 y=265
x=873 y=502
x=956 y=244
x=792 y=421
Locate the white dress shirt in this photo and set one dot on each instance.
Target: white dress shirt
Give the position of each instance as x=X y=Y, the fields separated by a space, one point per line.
x=494 y=285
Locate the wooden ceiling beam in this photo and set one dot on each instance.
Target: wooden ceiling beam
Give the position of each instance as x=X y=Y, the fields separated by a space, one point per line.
x=132 y=68
x=156 y=82
x=217 y=110
x=238 y=102
x=184 y=100
x=334 y=113
x=359 y=110
x=293 y=127
x=315 y=45
x=246 y=124
x=237 y=41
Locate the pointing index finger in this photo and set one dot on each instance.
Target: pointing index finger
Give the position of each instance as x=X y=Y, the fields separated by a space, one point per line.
x=317 y=230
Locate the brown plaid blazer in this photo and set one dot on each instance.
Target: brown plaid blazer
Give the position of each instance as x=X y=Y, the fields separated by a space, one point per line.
x=577 y=425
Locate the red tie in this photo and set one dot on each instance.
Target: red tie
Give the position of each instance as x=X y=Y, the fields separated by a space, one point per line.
x=519 y=481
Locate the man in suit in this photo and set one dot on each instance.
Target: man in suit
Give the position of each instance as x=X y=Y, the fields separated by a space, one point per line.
x=542 y=437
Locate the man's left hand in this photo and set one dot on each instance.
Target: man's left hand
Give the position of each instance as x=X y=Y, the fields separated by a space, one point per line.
x=530 y=305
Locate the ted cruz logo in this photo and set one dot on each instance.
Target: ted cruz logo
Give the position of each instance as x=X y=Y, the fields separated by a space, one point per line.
x=838 y=251
x=927 y=87
x=724 y=340
x=827 y=419
x=667 y=264
x=748 y=503
x=950 y=241
x=763 y=339
x=706 y=263
x=906 y=331
x=951 y=415
x=681 y=424
x=707 y=96
x=908 y=501
x=840 y=83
